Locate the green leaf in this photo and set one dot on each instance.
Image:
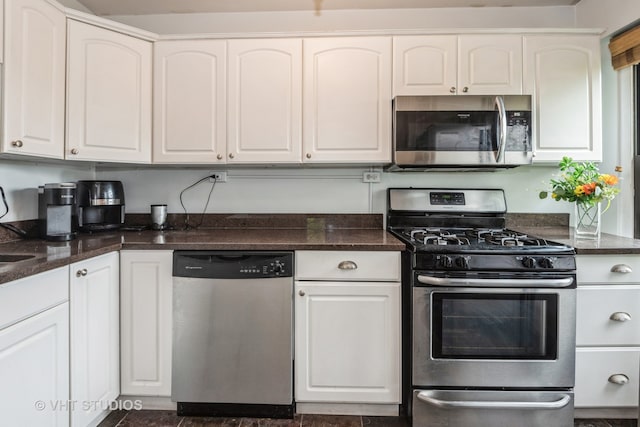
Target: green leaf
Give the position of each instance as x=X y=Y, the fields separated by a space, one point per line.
x=543 y=194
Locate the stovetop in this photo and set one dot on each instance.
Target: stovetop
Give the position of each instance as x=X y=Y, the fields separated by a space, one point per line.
x=476 y=240
x=463 y=232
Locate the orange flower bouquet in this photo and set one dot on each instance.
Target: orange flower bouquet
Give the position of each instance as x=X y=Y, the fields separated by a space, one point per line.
x=582 y=183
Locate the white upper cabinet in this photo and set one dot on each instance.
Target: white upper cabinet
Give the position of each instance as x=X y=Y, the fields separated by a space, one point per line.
x=347 y=100
x=189 y=101
x=450 y=64
x=108 y=95
x=562 y=73
x=265 y=101
x=34 y=79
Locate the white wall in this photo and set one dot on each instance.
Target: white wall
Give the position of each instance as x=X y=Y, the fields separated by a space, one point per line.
x=315 y=190
x=611 y=15
x=348 y=20
x=20 y=181
x=617 y=105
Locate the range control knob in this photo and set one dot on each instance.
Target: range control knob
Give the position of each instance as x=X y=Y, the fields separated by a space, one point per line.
x=462 y=263
x=529 y=262
x=445 y=261
x=546 y=262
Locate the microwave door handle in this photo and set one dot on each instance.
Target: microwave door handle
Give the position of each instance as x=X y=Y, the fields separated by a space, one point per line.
x=502 y=128
x=470 y=404
x=495 y=283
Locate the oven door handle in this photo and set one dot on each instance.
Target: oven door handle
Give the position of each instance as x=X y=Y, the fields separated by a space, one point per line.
x=496 y=283
x=470 y=404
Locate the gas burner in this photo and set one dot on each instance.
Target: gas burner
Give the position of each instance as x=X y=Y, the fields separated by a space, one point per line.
x=436 y=236
x=513 y=238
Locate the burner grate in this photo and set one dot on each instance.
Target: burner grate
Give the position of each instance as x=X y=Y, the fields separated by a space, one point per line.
x=472 y=236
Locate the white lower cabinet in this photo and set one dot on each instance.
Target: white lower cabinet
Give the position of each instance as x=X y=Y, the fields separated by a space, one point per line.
x=95 y=355
x=607 y=377
x=34 y=350
x=347 y=332
x=607 y=332
x=146 y=315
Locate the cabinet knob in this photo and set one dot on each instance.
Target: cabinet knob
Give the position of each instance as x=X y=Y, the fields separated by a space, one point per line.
x=74 y=151
x=219 y=156
x=452 y=89
x=308 y=155
x=347 y=265
x=81 y=273
x=231 y=155
x=621 y=268
x=620 y=316
x=301 y=293
x=17 y=143
x=465 y=89
x=620 y=379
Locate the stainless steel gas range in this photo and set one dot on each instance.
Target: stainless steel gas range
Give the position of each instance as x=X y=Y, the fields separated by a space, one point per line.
x=491 y=313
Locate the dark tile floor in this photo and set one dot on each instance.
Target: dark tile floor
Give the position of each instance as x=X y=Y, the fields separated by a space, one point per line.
x=170 y=419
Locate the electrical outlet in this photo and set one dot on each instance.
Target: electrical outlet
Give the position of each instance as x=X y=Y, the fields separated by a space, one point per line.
x=371 y=177
x=219 y=177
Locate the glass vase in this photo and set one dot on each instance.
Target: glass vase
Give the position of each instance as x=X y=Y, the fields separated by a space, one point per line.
x=588 y=220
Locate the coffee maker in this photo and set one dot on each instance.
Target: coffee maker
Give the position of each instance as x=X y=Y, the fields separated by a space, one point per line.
x=100 y=205
x=57 y=218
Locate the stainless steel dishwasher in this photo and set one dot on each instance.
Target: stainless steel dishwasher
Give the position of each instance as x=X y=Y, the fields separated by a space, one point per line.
x=232 y=333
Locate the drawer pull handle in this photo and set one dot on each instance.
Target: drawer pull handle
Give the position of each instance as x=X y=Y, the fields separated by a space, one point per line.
x=621 y=268
x=620 y=379
x=620 y=316
x=347 y=265
x=81 y=273
x=301 y=293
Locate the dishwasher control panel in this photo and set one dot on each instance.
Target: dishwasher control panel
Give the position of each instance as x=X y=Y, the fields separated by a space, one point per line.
x=232 y=264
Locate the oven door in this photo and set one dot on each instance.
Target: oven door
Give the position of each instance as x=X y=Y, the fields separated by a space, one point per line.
x=494 y=337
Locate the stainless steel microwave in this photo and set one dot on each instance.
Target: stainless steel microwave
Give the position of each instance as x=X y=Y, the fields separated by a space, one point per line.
x=467 y=131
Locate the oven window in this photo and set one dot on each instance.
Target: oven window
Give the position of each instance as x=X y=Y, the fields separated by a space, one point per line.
x=494 y=326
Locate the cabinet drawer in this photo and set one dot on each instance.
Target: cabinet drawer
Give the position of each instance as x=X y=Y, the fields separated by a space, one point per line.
x=25 y=297
x=347 y=265
x=598 y=308
x=597 y=269
x=594 y=369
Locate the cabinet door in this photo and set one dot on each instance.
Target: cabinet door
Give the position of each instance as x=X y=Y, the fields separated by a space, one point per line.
x=347 y=100
x=265 y=98
x=347 y=342
x=34 y=79
x=189 y=102
x=95 y=355
x=34 y=367
x=490 y=65
x=562 y=73
x=600 y=377
x=424 y=65
x=108 y=96
x=145 y=328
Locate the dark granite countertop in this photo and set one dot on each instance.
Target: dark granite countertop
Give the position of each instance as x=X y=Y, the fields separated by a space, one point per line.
x=556 y=227
x=50 y=255
x=606 y=244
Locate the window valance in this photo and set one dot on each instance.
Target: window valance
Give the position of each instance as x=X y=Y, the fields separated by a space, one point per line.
x=625 y=48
